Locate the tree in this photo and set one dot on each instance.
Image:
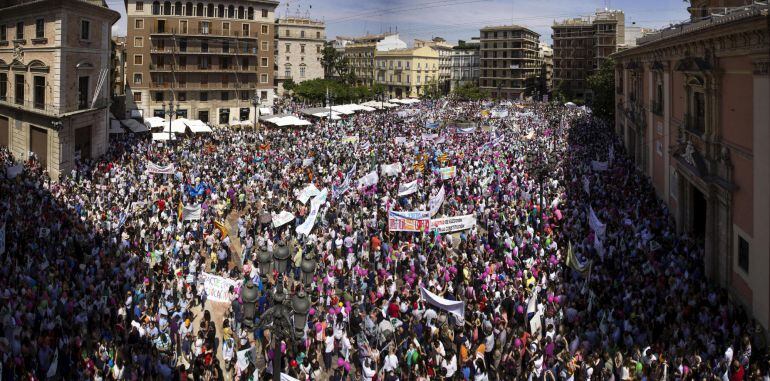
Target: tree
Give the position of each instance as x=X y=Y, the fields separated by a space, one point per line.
x=289 y=84
x=602 y=83
x=431 y=90
x=336 y=65
x=470 y=92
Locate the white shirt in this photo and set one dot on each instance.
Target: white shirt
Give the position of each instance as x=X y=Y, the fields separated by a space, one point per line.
x=390 y=363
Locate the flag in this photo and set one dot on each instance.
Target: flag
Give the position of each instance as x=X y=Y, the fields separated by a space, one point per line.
x=179 y=210
x=443 y=158
x=222 y=229
x=573 y=262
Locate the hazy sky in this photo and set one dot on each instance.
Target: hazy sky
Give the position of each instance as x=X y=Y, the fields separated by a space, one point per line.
x=460 y=19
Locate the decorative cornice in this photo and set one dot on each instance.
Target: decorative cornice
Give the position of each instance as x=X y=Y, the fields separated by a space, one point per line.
x=761 y=67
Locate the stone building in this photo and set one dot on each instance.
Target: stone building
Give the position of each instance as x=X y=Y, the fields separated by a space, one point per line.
x=464 y=64
x=509 y=62
x=444 y=50
x=405 y=72
x=361 y=51
x=299 y=45
x=55 y=80
x=211 y=59
x=692 y=111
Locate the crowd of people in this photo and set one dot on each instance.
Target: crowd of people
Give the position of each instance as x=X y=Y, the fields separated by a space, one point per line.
x=572 y=269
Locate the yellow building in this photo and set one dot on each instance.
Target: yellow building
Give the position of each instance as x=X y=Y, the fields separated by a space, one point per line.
x=406 y=72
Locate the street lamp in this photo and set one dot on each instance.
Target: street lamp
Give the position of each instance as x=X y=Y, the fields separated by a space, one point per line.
x=329 y=102
x=307 y=266
x=170 y=114
x=265 y=260
x=255 y=101
x=281 y=256
x=249 y=295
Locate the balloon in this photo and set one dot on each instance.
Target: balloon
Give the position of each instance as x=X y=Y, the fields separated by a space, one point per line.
x=550 y=298
x=312 y=311
x=517 y=343
x=520 y=309
x=340 y=362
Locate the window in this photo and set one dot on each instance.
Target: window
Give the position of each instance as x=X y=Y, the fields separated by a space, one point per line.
x=743 y=254
x=137 y=59
x=302 y=48
x=39 y=92
x=205 y=27
x=265 y=45
x=263 y=94
x=302 y=72
x=317 y=34
x=188 y=9
x=244 y=95
x=137 y=97
x=183 y=26
x=138 y=42
x=85 y=30
x=263 y=61
x=159 y=97
x=19 y=93
x=139 y=24
x=225 y=95
x=156 y=8
x=226 y=28
x=318 y=48
x=302 y=33
x=183 y=43
x=203 y=63
x=288 y=33
x=20 y=30
x=139 y=5
x=137 y=78
x=40 y=28
x=181 y=96
x=264 y=29
x=245 y=29
x=225 y=46
x=3 y=87
x=263 y=78
x=264 y=13
x=3 y=33
x=224 y=62
x=204 y=96
x=287 y=72
x=245 y=63
x=83 y=92
x=231 y=12
x=288 y=48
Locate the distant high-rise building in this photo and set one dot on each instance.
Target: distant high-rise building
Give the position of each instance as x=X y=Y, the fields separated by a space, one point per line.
x=464 y=64
x=210 y=59
x=55 y=83
x=509 y=62
x=299 y=45
x=581 y=45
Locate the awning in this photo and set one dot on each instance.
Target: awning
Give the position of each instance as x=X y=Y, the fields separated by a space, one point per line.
x=161 y=136
x=343 y=109
x=135 y=126
x=155 y=121
x=335 y=115
x=197 y=126
x=115 y=127
x=177 y=126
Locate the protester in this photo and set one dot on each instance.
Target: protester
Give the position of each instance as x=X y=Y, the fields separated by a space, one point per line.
x=559 y=263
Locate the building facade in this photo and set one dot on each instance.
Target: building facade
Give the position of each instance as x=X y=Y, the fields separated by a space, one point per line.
x=361 y=51
x=464 y=65
x=55 y=61
x=692 y=111
x=299 y=45
x=444 y=50
x=508 y=61
x=581 y=45
x=209 y=59
x=545 y=56
x=406 y=72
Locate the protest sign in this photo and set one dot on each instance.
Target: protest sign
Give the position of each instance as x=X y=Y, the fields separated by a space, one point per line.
x=315 y=205
x=282 y=218
x=370 y=179
x=350 y=139
x=595 y=224
x=407 y=189
x=454 y=307
x=435 y=202
x=217 y=288
x=390 y=169
x=453 y=224
x=448 y=172
x=166 y=169
x=309 y=191
x=408 y=221
x=191 y=213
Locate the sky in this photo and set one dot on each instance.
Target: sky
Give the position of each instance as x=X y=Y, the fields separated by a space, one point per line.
x=459 y=19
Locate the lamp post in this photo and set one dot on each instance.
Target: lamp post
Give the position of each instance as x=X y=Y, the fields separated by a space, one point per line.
x=170 y=114
x=255 y=101
x=329 y=102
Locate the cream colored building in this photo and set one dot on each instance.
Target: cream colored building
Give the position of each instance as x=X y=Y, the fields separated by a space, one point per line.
x=361 y=51
x=444 y=50
x=299 y=45
x=55 y=61
x=405 y=72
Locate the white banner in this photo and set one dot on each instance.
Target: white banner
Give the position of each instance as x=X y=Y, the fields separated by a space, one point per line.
x=467 y=130
x=217 y=287
x=400 y=139
x=315 y=205
x=448 y=172
x=499 y=113
x=12 y=172
x=429 y=137
x=536 y=324
x=309 y=191
x=366 y=146
x=166 y=169
x=407 y=189
x=435 y=202
x=191 y=213
x=598 y=166
x=370 y=179
x=308 y=162
x=282 y=218
x=390 y=169
x=595 y=224
x=454 y=307
x=453 y=224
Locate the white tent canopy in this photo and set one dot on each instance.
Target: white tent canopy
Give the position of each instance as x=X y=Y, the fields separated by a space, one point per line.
x=155 y=121
x=266 y=110
x=344 y=109
x=197 y=126
x=335 y=115
x=161 y=136
x=177 y=126
x=135 y=126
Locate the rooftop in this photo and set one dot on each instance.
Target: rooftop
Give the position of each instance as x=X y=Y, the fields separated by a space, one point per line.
x=299 y=20
x=508 y=27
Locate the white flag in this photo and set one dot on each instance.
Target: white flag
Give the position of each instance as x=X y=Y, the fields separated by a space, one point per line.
x=407 y=189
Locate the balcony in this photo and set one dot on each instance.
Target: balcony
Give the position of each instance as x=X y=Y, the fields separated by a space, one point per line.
x=50 y=109
x=232 y=69
x=215 y=52
x=202 y=86
x=202 y=32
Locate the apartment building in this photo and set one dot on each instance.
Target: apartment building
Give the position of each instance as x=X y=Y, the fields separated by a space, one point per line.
x=692 y=111
x=361 y=51
x=545 y=56
x=444 y=50
x=55 y=80
x=464 y=64
x=209 y=58
x=581 y=45
x=406 y=72
x=299 y=45
x=509 y=61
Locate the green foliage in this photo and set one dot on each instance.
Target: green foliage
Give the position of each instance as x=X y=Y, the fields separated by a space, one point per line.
x=336 y=65
x=602 y=83
x=470 y=92
x=314 y=91
x=431 y=90
x=289 y=84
